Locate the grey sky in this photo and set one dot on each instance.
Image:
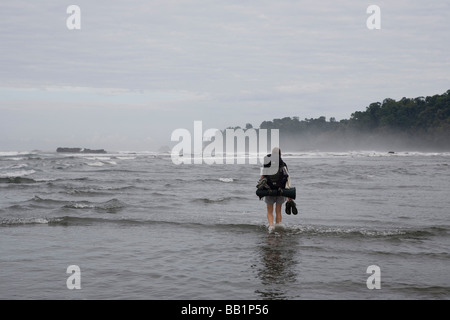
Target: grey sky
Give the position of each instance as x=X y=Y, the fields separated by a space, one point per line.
x=137 y=70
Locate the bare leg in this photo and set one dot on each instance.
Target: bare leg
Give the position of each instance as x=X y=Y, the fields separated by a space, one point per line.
x=270 y=214
x=278 y=212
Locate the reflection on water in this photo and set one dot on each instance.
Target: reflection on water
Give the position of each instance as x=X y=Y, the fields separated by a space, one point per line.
x=277 y=269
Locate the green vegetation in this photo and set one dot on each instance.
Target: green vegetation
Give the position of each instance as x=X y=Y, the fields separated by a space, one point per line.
x=419 y=123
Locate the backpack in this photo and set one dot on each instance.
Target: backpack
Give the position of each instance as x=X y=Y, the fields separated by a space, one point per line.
x=279 y=179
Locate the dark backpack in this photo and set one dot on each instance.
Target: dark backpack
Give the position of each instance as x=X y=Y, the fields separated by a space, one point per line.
x=279 y=179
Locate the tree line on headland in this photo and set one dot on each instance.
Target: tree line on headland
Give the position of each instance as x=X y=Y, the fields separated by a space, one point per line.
x=421 y=123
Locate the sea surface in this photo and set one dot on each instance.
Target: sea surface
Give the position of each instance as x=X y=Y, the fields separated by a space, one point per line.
x=140 y=227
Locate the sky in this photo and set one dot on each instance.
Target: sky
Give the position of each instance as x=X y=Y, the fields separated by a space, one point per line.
x=137 y=70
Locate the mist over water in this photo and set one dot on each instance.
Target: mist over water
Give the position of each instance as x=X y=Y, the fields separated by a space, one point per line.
x=380 y=142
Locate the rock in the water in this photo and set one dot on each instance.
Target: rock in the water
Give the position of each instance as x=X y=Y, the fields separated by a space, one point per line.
x=79 y=150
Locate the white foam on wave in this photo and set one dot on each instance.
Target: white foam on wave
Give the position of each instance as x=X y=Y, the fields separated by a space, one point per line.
x=14 y=166
x=143 y=153
x=98 y=158
x=327 y=230
x=23 y=221
x=14 y=174
x=95 y=164
x=45 y=180
x=13 y=153
x=226 y=180
x=19 y=166
x=100 y=163
x=78 y=205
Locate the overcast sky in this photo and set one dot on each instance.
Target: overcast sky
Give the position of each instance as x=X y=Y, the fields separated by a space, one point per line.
x=139 y=69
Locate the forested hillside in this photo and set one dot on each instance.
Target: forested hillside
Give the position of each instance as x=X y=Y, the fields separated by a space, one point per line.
x=410 y=123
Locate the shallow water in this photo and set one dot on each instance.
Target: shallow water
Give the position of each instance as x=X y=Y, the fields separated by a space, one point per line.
x=140 y=227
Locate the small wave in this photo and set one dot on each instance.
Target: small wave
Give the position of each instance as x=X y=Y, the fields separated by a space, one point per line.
x=90 y=192
x=17 y=180
x=111 y=206
x=437 y=292
x=15 y=166
x=79 y=205
x=95 y=164
x=23 y=221
x=42 y=203
x=42 y=200
x=45 y=180
x=77 y=221
x=64 y=180
x=16 y=207
x=204 y=180
x=101 y=163
x=364 y=232
x=217 y=200
x=80 y=179
x=323 y=230
x=14 y=174
x=88 y=221
x=15 y=153
x=98 y=158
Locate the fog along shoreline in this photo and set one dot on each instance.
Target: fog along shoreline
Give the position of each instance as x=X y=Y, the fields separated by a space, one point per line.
x=410 y=124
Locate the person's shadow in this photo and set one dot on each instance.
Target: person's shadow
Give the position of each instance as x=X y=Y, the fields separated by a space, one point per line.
x=277 y=270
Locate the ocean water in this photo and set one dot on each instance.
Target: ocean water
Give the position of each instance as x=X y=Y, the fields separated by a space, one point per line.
x=140 y=227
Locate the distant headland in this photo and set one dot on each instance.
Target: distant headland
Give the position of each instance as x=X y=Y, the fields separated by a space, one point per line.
x=421 y=123
x=79 y=150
